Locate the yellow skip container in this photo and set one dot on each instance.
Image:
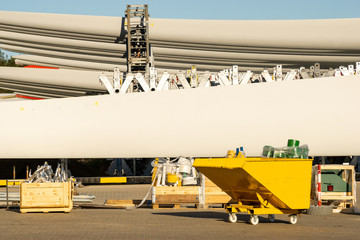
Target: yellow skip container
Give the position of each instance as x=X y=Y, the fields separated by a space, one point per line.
x=261 y=185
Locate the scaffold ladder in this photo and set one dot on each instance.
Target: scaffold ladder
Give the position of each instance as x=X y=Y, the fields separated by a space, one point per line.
x=138 y=48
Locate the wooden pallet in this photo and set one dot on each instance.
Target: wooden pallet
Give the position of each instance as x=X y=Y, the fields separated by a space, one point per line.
x=174 y=206
x=45 y=210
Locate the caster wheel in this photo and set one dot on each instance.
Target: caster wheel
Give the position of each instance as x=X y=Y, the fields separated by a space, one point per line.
x=232 y=217
x=293 y=218
x=254 y=219
x=271 y=217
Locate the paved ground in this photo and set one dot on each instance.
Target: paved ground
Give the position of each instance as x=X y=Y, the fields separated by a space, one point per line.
x=136 y=191
x=187 y=223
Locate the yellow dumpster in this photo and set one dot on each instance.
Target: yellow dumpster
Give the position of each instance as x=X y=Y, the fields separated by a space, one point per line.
x=261 y=185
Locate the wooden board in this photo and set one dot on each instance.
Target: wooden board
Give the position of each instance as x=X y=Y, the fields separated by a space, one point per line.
x=176 y=199
x=185 y=190
x=120 y=203
x=46 y=197
x=214 y=194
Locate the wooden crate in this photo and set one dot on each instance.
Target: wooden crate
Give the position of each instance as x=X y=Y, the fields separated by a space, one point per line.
x=204 y=195
x=46 y=197
x=214 y=194
x=340 y=200
x=175 y=195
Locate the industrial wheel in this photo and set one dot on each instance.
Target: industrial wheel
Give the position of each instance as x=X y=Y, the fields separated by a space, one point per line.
x=293 y=218
x=271 y=217
x=232 y=217
x=254 y=219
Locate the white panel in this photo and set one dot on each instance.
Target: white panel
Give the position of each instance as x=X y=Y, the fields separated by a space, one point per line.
x=167 y=123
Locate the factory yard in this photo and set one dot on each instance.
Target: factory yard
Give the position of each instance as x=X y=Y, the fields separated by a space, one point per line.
x=184 y=223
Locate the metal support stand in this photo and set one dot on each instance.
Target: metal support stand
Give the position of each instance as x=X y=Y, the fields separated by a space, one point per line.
x=64 y=163
x=7 y=194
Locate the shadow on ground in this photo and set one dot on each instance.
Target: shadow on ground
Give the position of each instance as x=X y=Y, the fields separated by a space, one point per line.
x=223 y=217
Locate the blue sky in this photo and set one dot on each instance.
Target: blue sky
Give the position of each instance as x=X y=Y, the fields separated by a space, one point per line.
x=197 y=9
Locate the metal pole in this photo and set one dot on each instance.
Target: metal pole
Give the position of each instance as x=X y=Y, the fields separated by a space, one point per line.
x=319 y=185
x=134 y=166
x=7 y=195
x=14 y=172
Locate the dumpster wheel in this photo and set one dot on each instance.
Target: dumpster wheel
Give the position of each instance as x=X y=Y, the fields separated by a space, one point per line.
x=232 y=217
x=293 y=218
x=271 y=217
x=254 y=219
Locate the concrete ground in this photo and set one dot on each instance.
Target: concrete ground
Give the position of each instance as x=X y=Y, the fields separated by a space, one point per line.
x=185 y=223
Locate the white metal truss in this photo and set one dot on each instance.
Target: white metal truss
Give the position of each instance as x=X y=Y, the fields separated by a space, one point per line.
x=266 y=75
x=164 y=79
x=126 y=83
x=204 y=80
x=227 y=77
x=181 y=77
x=223 y=79
x=245 y=79
x=290 y=75
x=104 y=80
x=140 y=78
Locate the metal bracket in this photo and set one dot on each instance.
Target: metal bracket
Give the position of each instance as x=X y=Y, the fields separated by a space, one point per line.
x=317 y=72
x=235 y=75
x=344 y=71
x=278 y=73
x=153 y=76
x=117 y=79
x=312 y=72
x=193 y=77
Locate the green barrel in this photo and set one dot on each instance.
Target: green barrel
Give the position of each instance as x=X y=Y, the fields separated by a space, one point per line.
x=268 y=151
x=293 y=143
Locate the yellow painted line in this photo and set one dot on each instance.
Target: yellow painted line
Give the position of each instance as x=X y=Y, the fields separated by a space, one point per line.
x=3 y=182
x=113 y=180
